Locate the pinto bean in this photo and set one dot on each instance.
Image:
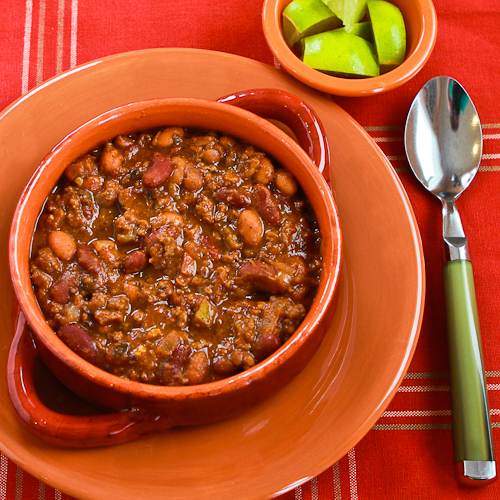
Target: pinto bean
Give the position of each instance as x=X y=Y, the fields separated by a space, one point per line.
x=108 y=252
x=78 y=339
x=180 y=163
x=193 y=178
x=158 y=172
x=47 y=261
x=93 y=183
x=135 y=261
x=262 y=276
x=60 y=291
x=250 y=227
x=266 y=205
x=211 y=156
x=233 y=196
x=123 y=141
x=167 y=136
x=188 y=265
x=285 y=183
x=108 y=196
x=81 y=168
x=88 y=260
x=111 y=161
x=197 y=369
x=265 y=171
x=62 y=244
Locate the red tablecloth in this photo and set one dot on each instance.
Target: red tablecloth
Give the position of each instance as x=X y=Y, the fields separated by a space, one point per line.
x=408 y=454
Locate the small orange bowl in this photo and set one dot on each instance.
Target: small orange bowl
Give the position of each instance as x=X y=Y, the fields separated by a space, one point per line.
x=144 y=408
x=421 y=30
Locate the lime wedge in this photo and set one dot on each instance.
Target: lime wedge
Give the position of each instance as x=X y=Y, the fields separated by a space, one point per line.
x=307 y=17
x=340 y=53
x=349 y=11
x=354 y=11
x=389 y=32
x=336 y=6
x=364 y=30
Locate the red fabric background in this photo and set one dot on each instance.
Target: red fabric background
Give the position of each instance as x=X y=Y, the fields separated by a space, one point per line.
x=409 y=452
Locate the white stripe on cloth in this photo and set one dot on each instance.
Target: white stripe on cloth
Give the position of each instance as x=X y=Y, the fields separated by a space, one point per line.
x=4 y=469
x=26 y=46
x=298 y=493
x=60 y=36
x=41 y=42
x=438 y=388
x=416 y=413
x=353 y=479
x=74 y=33
x=19 y=483
x=314 y=489
x=41 y=490
x=337 y=485
x=385 y=128
x=423 y=388
x=410 y=427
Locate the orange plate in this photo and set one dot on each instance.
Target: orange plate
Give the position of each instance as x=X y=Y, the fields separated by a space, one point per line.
x=331 y=405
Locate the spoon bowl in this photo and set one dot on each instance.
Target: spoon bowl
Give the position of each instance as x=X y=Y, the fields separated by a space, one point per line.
x=443 y=138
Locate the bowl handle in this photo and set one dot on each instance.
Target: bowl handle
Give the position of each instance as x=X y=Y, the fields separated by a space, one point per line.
x=69 y=431
x=287 y=108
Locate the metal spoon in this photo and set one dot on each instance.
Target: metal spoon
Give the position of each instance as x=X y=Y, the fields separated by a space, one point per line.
x=443 y=144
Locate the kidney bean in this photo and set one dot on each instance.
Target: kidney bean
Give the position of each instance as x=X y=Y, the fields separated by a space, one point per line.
x=78 y=339
x=135 y=261
x=158 y=172
x=180 y=354
x=193 y=178
x=233 y=197
x=62 y=244
x=266 y=205
x=111 y=161
x=265 y=344
x=285 y=183
x=250 y=227
x=173 y=366
x=88 y=260
x=262 y=276
x=197 y=369
x=210 y=246
x=265 y=171
x=60 y=291
x=223 y=366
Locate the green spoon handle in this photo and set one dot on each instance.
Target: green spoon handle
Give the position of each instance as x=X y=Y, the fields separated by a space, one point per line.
x=471 y=423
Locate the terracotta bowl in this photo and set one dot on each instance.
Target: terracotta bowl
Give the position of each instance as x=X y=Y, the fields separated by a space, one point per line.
x=421 y=30
x=145 y=408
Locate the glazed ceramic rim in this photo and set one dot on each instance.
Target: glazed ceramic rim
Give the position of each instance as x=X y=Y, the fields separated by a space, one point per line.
x=331 y=252
x=426 y=39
